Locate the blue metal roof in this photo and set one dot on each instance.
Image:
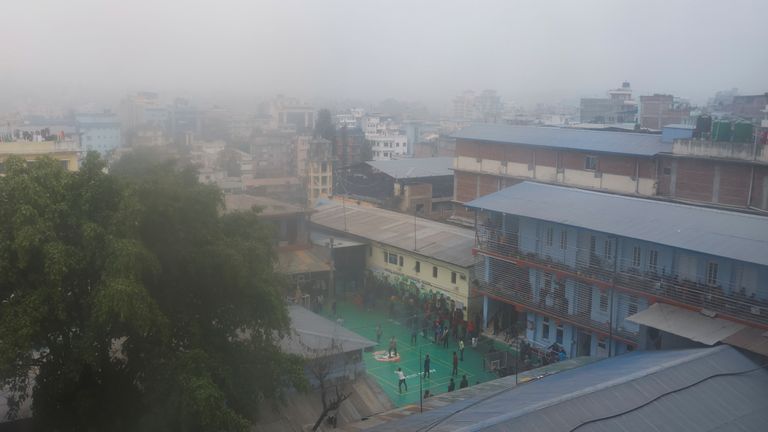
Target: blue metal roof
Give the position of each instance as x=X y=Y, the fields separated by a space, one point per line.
x=651 y=390
x=722 y=233
x=564 y=138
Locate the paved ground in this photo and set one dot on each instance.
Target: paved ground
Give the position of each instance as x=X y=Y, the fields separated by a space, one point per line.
x=364 y=323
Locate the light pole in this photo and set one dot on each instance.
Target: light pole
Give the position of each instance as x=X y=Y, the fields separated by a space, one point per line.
x=421 y=391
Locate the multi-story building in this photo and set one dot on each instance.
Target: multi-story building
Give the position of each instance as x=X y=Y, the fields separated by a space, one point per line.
x=99 y=132
x=618 y=107
x=385 y=147
x=492 y=157
x=291 y=113
x=273 y=153
x=67 y=151
x=486 y=107
x=351 y=146
x=574 y=267
x=408 y=252
x=314 y=167
x=660 y=110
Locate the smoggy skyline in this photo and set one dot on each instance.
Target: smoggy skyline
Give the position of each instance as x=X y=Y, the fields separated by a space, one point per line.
x=428 y=51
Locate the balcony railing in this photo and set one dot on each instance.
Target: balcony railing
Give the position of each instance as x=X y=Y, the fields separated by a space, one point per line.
x=730 y=302
x=520 y=293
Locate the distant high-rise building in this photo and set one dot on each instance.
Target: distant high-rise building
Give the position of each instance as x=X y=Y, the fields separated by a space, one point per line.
x=291 y=113
x=99 y=132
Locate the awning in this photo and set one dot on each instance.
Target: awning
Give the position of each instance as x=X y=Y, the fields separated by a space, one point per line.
x=750 y=339
x=688 y=324
x=302 y=261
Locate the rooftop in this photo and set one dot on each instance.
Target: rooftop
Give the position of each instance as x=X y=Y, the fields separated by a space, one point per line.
x=268 y=206
x=723 y=233
x=415 y=167
x=709 y=389
x=311 y=332
x=433 y=239
x=567 y=138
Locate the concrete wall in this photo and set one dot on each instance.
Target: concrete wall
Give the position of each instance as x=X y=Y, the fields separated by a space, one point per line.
x=458 y=291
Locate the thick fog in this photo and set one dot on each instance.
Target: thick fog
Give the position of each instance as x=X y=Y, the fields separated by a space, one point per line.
x=414 y=50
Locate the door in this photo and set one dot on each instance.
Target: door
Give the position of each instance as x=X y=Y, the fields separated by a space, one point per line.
x=583 y=343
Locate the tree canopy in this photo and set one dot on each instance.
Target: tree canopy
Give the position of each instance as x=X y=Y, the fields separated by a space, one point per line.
x=128 y=301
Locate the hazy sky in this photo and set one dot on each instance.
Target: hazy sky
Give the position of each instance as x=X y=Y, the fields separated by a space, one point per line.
x=413 y=50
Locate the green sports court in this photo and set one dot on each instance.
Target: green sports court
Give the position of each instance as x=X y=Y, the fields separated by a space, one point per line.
x=364 y=323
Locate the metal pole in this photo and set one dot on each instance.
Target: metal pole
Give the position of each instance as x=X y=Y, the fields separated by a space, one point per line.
x=517 y=361
x=613 y=288
x=421 y=392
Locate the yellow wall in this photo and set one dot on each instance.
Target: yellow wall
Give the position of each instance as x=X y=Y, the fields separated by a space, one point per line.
x=71 y=158
x=442 y=284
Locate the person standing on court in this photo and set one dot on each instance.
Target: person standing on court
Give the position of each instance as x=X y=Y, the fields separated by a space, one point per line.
x=427 y=363
x=464 y=383
x=451 y=386
x=461 y=349
x=414 y=333
x=378 y=333
x=401 y=380
x=392 y=346
x=455 y=371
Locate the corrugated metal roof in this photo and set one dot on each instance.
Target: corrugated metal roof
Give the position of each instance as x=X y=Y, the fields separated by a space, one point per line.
x=715 y=232
x=568 y=138
x=268 y=206
x=313 y=260
x=688 y=396
x=433 y=239
x=415 y=167
x=688 y=324
x=311 y=333
x=752 y=339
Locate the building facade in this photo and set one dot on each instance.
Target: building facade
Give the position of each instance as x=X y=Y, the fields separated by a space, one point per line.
x=569 y=266
x=660 y=110
x=99 y=132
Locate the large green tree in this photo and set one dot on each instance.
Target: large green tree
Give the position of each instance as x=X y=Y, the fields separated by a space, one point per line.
x=129 y=302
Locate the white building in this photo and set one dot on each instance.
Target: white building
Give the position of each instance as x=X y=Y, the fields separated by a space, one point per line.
x=353 y=118
x=384 y=137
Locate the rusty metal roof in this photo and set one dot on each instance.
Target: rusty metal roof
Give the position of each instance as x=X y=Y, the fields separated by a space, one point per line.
x=433 y=239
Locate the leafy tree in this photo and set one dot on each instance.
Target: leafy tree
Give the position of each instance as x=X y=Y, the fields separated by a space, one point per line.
x=128 y=302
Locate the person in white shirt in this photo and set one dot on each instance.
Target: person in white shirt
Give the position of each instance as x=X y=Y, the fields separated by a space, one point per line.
x=401 y=382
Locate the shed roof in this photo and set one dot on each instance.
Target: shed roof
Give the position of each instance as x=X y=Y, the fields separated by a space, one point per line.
x=433 y=239
x=268 y=206
x=728 y=234
x=686 y=323
x=709 y=389
x=636 y=144
x=311 y=333
x=415 y=167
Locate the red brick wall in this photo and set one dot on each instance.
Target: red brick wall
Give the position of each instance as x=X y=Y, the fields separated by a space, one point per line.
x=488 y=184
x=519 y=154
x=546 y=157
x=466 y=186
x=694 y=180
x=734 y=184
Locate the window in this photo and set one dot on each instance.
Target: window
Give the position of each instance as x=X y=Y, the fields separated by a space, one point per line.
x=636 y=256
x=545 y=327
x=550 y=235
x=434 y=271
x=667 y=171
x=393 y=259
x=418 y=266
x=453 y=277
x=563 y=239
x=603 y=302
x=400 y=262
x=559 y=333
x=712 y=273
x=653 y=260
x=608 y=249
x=590 y=163
x=632 y=308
